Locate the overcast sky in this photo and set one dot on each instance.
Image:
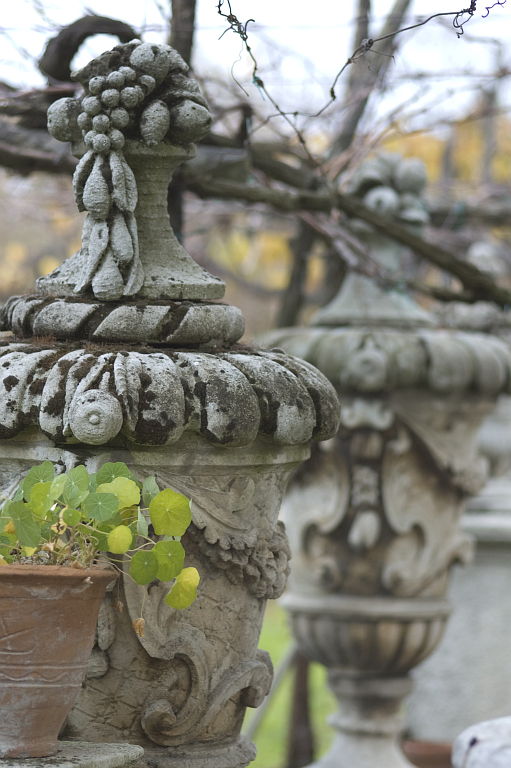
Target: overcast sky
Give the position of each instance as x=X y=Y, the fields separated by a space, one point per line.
x=301 y=45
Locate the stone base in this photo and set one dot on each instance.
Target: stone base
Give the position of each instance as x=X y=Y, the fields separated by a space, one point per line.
x=236 y=754
x=80 y=754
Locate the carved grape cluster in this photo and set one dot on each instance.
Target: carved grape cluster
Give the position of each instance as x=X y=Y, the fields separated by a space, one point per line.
x=111 y=107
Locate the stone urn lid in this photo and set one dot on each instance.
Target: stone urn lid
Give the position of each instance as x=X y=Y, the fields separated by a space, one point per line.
x=373 y=340
x=127 y=341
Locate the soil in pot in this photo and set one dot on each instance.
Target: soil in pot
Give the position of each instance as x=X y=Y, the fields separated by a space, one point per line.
x=48 y=618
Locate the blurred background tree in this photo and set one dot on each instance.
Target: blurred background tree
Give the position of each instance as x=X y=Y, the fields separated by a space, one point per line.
x=278 y=155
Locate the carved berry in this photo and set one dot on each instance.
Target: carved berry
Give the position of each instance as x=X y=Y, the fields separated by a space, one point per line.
x=96 y=84
x=101 y=123
x=110 y=97
x=119 y=118
x=84 y=121
x=117 y=139
x=130 y=97
x=128 y=73
x=92 y=105
x=101 y=144
x=148 y=82
x=115 y=79
x=89 y=138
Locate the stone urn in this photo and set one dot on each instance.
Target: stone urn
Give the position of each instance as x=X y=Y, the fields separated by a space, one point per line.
x=373 y=515
x=125 y=354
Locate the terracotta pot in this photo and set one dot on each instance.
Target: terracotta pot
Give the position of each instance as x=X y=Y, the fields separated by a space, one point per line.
x=428 y=754
x=48 y=618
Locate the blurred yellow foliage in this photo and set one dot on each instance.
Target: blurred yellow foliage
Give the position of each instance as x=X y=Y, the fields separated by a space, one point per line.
x=467 y=150
x=15 y=253
x=47 y=264
x=418 y=144
x=264 y=257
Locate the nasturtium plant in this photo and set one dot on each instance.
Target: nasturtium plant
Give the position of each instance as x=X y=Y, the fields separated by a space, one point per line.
x=75 y=519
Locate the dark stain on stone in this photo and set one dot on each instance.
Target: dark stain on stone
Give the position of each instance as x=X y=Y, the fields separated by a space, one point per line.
x=10 y=382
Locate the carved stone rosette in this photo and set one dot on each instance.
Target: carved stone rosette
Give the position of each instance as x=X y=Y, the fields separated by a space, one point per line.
x=373 y=515
x=124 y=355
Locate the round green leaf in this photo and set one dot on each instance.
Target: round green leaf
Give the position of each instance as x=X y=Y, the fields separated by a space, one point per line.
x=119 y=540
x=171 y=557
x=184 y=591
x=57 y=486
x=72 y=517
x=170 y=513
x=110 y=471
x=126 y=491
x=41 y=498
x=144 y=566
x=101 y=506
x=28 y=532
x=44 y=473
x=149 y=490
x=76 y=488
x=142 y=527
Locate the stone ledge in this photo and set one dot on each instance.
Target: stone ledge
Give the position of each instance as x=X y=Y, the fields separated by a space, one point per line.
x=81 y=754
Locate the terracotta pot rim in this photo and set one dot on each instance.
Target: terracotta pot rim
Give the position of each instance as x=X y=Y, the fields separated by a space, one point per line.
x=419 y=748
x=26 y=571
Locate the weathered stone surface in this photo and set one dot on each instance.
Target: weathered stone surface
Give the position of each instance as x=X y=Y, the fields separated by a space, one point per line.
x=172 y=323
x=76 y=754
x=474 y=649
x=485 y=745
x=136 y=101
x=152 y=397
x=181 y=691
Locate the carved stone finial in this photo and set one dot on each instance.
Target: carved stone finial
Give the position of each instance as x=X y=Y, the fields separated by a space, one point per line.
x=391 y=186
x=131 y=281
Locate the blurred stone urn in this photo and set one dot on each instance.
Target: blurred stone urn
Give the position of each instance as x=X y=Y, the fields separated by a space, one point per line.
x=125 y=354
x=373 y=515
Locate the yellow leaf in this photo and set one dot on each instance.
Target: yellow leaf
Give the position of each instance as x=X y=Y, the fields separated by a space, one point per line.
x=119 y=540
x=59 y=527
x=3 y=561
x=138 y=626
x=9 y=528
x=29 y=551
x=125 y=489
x=184 y=591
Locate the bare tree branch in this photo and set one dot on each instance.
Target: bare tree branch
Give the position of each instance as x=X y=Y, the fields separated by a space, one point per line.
x=182 y=27
x=474 y=280
x=60 y=50
x=363 y=77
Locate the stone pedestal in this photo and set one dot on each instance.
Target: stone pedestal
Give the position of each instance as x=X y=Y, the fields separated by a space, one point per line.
x=468 y=680
x=373 y=515
x=124 y=354
x=80 y=754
